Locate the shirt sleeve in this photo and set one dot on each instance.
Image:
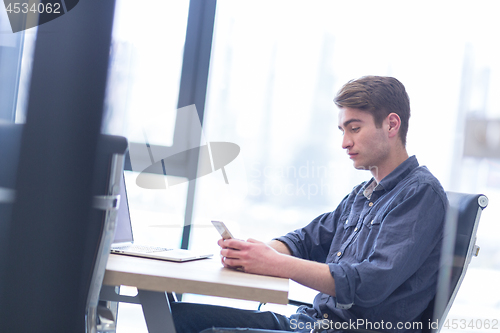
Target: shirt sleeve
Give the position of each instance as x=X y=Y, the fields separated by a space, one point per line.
x=314 y=240
x=401 y=241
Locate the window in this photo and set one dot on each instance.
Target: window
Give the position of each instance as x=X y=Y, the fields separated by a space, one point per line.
x=273 y=77
x=145 y=68
x=143 y=89
x=16 y=56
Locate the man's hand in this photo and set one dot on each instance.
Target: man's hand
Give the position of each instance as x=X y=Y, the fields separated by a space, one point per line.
x=251 y=256
x=259 y=258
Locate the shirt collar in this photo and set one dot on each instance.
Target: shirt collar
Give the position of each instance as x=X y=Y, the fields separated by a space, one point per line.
x=368 y=189
x=392 y=179
x=398 y=174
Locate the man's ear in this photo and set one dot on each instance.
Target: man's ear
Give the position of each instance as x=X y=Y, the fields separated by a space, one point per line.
x=394 y=123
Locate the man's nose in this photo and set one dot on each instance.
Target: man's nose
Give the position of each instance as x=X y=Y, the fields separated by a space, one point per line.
x=346 y=142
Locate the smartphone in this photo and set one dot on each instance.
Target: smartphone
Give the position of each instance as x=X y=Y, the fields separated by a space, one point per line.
x=222 y=229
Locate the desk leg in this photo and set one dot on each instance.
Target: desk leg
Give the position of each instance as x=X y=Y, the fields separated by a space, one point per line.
x=157 y=313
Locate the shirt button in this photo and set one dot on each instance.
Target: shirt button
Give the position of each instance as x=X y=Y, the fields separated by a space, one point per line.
x=346 y=221
x=370 y=204
x=339 y=254
x=356 y=229
x=325 y=315
x=371 y=222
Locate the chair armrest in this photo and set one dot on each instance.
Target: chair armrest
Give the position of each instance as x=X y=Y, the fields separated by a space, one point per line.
x=299 y=303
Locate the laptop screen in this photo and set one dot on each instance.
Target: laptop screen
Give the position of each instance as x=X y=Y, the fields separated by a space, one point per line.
x=123 y=230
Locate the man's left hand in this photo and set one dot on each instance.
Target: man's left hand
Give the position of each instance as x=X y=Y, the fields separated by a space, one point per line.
x=252 y=256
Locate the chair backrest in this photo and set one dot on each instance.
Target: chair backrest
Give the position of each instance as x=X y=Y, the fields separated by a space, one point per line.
x=459 y=245
x=106 y=190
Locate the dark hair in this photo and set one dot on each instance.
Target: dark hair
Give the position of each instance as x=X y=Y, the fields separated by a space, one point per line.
x=378 y=95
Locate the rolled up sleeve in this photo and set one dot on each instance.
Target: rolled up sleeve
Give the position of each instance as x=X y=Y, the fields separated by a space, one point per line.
x=313 y=241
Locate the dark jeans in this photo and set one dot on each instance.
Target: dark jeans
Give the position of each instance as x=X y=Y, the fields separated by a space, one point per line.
x=194 y=318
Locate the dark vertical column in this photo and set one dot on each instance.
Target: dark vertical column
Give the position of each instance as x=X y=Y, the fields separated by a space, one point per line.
x=50 y=216
x=194 y=80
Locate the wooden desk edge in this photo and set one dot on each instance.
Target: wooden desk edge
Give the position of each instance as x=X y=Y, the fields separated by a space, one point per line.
x=159 y=283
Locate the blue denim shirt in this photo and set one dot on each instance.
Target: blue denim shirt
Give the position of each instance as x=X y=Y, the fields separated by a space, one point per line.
x=382 y=248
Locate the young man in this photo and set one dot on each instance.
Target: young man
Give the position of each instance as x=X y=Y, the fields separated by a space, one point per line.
x=375 y=258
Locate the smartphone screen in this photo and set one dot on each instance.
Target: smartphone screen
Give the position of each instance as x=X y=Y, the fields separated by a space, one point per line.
x=222 y=229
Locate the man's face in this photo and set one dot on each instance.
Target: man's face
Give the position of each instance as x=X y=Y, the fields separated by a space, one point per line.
x=367 y=146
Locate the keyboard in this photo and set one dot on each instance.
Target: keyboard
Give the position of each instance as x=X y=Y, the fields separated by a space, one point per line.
x=140 y=248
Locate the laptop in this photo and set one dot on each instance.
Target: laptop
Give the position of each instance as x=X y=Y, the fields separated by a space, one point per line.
x=123 y=242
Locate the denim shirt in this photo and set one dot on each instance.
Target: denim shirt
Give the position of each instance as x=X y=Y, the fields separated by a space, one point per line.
x=382 y=245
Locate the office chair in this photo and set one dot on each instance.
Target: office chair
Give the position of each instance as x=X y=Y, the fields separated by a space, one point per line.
x=108 y=170
x=459 y=246
x=106 y=190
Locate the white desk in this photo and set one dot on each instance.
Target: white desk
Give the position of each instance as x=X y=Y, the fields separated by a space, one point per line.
x=206 y=277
